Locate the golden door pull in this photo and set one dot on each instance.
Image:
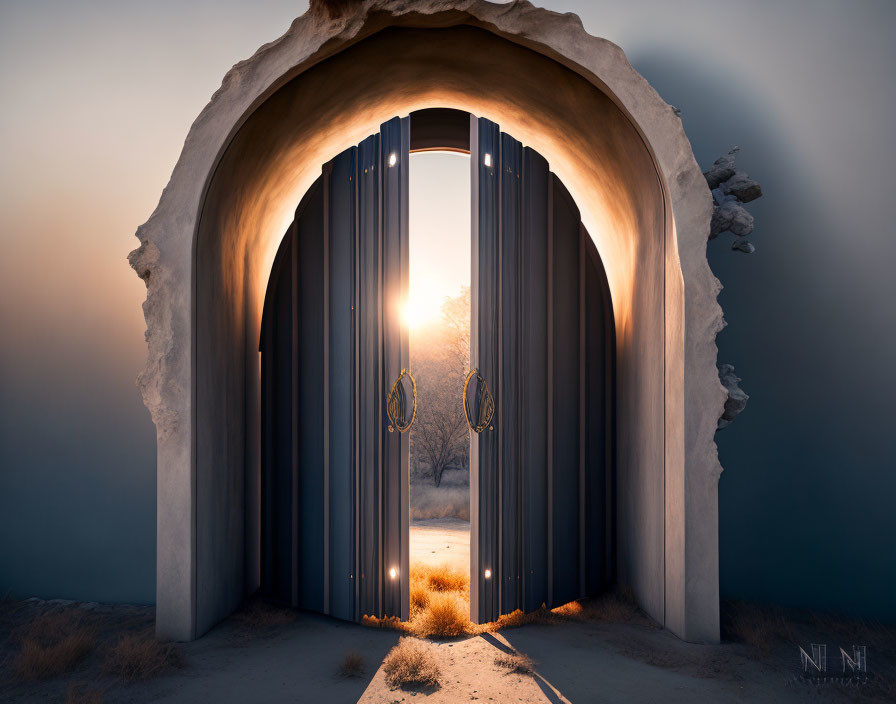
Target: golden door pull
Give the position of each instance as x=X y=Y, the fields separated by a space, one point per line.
x=397 y=403
x=479 y=405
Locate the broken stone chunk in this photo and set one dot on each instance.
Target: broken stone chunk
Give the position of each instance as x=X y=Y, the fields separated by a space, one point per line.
x=737 y=399
x=732 y=217
x=742 y=187
x=722 y=169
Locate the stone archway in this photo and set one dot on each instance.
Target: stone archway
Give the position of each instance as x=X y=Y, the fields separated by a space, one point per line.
x=207 y=250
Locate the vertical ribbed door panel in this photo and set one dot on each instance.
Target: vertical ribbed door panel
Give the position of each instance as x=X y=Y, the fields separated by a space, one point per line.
x=539 y=474
x=335 y=492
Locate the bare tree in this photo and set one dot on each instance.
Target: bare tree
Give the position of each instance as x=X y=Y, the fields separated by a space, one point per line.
x=441 y=355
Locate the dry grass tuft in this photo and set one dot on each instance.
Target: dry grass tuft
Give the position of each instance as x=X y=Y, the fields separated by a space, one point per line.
x=516 y=662
x=447 y=614
x=440 y=606
x=352 y=664
x=612 y=607
x=52 y=644
x=83 y=694
x=411 y=664
x=443 y=578
x=141 y=656
x=515 y=620
x=391 y=623
x=420 y=594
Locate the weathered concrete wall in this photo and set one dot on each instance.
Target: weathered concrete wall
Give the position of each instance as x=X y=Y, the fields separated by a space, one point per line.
x=258 y=146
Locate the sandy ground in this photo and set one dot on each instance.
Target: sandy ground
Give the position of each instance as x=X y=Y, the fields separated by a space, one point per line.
x=296 y=657
x=272 y=655
x=440 y=541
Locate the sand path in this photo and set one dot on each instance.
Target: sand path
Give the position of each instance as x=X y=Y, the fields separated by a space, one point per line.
x=441 y=541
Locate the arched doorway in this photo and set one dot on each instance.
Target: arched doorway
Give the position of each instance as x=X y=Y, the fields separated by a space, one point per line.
x=206 y=255
x=334 y=535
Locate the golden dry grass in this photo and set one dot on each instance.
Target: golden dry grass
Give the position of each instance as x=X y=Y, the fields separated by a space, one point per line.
x=612 y=607
x=141 y=656
x=352 y=664
x=420 y=594
x=52 y=644
x=391 y=623
x=426 y=579
x=516 y=662
x=440 y=606
x=411 y=664
x=446 y=614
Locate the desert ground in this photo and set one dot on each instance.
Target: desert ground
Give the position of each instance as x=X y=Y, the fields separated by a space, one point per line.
x=269 y=654
x=601 y=650
x=441 y=541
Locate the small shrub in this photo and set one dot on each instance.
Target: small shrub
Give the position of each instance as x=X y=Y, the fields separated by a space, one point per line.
x=446 y=615
x=419 y=596
x=516 y=662
x=352 y=664
x=38 y=662
x=141 y=656
x=411 y=664
x=52 y=644
x=447 y=579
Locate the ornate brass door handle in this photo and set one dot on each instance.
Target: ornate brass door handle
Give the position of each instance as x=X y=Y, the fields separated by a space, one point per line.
x=479 y=405
x=400 y=416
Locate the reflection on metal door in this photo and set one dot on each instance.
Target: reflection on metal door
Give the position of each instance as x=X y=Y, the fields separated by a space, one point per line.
x=334 y=469
x=542 y=341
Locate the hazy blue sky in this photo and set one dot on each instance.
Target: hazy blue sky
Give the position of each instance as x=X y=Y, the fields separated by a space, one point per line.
x=98 y=97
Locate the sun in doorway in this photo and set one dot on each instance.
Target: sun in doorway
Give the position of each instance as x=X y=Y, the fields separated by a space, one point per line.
x=438 y=318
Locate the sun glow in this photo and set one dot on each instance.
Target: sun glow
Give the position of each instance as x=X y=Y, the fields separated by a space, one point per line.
x=439 y=228
x=423 y=308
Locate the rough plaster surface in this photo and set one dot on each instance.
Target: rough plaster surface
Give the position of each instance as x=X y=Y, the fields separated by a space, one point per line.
x=206 y=251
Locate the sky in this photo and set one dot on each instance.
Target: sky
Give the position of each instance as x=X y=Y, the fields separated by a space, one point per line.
x=98 y=97
x=439 y=226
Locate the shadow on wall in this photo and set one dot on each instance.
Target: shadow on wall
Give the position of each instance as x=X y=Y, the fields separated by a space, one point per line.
x=797 y=341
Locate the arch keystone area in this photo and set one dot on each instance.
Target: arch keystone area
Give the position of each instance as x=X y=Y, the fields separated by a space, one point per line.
x=207 y=250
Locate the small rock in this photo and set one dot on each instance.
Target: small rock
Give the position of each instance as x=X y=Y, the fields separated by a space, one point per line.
x=743 y=246
x=742 y=187
x=721 y=170
x=732 y=217
x=737 y=398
